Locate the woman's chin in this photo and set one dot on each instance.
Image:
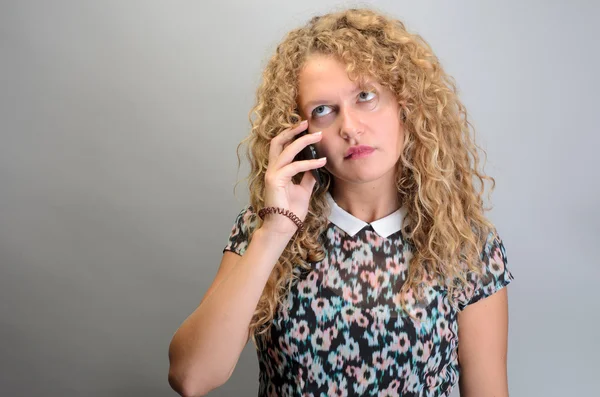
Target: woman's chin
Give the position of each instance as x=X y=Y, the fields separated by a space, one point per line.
x=359 y=178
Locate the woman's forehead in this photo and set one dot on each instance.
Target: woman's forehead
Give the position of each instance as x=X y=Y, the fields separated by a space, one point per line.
x=326 y=73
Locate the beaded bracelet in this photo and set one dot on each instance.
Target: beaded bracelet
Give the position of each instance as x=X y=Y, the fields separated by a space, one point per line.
x=288 y=213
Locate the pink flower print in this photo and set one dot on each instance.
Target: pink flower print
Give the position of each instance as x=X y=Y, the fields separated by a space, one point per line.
x=410 y=300
x=343 y=263
x=496 y=263
x=332 y=332
x=391 y=391
x=335 y=360
x=374 y=240
x=333 y=279
x=322 y=265
x=350 y=245
x=379 y=280
x=412 y=383
x=287 y=390
x=381 y=361
x=421 y=351
x=444 y=306
x=400 y=343
x=300 y=330
x=334 y=235
x=321 y=340
x=349 y=314
x=404 y=371
x=365 y=275
x=319 y=306
x=338 y=388
x=365 y=376
x=306 y=360
x=361 y=320
x=287 y=346
x=468 y=291
x=349 y=266
x=441 y=326
x=378 y=326
x=434 y=362
x=350 y=350
x=382 y=314
x=443 y=373
x=432 y=382
x=282 y=364
x=308 y=288
x=318 y=374
x=350 y=371
x=352 y=294
x=420 y=314
x=395 y=265
x=363 y=257
x=429 y=293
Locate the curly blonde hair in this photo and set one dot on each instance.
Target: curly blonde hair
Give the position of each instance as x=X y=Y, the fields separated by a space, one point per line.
x=437 y=171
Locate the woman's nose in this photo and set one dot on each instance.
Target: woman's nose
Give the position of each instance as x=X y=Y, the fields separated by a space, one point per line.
x=350 y=124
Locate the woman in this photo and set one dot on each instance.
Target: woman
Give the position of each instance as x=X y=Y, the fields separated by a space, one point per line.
x=365 y=283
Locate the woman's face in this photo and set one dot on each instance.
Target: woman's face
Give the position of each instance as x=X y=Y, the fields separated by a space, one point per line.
x=350 y=117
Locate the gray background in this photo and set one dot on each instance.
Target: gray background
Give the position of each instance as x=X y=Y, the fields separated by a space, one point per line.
x=119 y=124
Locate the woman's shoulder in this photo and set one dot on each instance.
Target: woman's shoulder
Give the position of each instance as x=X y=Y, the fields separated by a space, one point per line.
x=494 y=273
x=241 y=230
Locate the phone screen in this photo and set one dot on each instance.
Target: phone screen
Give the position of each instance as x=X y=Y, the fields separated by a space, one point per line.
x=309 y=153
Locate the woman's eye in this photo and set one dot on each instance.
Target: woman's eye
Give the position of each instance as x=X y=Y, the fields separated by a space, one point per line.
x=319 y=109
x=369 y=95
x=324 y=110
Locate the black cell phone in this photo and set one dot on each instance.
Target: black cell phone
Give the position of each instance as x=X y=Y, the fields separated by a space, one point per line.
x=309 y=153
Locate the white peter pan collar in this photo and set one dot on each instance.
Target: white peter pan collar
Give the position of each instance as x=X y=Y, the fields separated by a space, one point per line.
x=350 y=224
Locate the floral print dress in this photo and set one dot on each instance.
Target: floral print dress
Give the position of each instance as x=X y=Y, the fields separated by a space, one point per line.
x=342 y=331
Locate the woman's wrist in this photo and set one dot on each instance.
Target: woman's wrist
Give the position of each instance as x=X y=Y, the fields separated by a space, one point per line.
x=271 y=211
x=275 y=231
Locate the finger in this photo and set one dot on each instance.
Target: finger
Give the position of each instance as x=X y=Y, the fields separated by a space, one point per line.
x=286 y=136
x=296 y=167
x=291 y=151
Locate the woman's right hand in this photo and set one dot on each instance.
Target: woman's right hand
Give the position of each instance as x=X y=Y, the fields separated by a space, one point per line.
x=280 y=191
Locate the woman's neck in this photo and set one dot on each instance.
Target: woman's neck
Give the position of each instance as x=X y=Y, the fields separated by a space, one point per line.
x=367 y=201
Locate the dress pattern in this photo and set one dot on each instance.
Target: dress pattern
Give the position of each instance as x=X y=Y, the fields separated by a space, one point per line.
x=342 y=331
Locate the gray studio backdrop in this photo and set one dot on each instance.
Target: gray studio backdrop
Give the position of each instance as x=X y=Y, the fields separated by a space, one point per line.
x=119 y=124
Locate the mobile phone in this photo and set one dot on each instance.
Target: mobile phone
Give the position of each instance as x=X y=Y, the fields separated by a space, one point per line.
x=309 y=153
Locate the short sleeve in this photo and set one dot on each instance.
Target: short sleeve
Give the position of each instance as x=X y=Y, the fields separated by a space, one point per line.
x=495 y=273
x=240 y=232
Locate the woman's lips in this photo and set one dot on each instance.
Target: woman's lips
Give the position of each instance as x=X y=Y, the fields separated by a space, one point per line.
x=362 y=153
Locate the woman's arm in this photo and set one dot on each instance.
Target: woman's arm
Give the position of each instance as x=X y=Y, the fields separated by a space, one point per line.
x=207 y=346
x=482 y=347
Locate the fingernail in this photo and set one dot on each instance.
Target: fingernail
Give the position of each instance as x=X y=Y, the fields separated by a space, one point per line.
x=304 y=122
x=320 y=132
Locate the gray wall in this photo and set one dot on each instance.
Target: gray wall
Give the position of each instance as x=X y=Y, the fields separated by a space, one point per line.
x=119 y=123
